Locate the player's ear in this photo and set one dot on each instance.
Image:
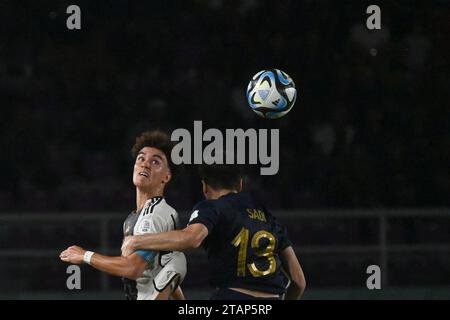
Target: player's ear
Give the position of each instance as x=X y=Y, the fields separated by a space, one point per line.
x=167 y=176
x=240 y=185
x=204 y=188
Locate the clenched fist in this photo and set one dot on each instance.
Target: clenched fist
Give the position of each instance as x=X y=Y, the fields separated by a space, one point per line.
x=128 y=246
x=73 y=254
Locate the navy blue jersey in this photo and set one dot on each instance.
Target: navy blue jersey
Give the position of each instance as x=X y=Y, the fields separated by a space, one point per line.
x=244 y=243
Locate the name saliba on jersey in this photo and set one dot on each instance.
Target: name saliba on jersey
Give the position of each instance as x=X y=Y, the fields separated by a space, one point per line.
x=256 y=214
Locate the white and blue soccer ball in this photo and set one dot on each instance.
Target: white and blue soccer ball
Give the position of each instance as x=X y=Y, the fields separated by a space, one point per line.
x=271 y=93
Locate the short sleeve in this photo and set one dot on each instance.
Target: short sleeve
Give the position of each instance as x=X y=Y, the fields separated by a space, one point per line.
x=205 y=213
x=282 y=235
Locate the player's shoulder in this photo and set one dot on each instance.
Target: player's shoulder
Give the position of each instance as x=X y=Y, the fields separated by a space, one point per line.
x=165 y=208
x=251 y=200
x=206 y=205
x=237 y=200
x=158 y=216
x=158 y=206
x=224 y=202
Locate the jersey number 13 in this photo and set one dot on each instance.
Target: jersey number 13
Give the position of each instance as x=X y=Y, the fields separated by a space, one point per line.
x=241 y=241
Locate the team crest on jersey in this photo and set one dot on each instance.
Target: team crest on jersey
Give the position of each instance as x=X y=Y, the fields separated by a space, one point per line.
x=145 y=226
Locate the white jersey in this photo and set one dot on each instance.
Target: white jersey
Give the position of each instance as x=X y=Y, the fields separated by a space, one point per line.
x=167 y=267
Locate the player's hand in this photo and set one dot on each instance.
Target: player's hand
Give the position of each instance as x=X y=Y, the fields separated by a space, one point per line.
x=73 y=254
x=128 y=246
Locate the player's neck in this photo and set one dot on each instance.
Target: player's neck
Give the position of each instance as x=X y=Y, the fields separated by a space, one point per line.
x=216 y=194
x=143 y=196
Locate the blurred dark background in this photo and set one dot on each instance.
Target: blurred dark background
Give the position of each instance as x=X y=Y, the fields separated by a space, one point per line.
x=370 y=129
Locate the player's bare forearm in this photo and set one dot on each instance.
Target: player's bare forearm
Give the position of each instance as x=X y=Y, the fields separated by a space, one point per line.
x=128 y=267
x=172 y=240
x=295 y=272
x=178 y=294
x=294 y=292
x=179 y=240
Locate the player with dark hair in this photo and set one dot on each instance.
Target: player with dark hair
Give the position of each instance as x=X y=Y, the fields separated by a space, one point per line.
x=248 y=250
x=146 y=274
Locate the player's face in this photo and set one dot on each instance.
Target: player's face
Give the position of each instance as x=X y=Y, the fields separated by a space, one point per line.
x=151 y=169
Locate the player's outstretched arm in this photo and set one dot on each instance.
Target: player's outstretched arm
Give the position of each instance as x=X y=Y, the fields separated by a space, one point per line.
x=295 y=272
x=130 y=267
x=179 y=240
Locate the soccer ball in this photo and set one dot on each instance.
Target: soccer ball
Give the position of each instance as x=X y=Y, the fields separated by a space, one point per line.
x=271 y=93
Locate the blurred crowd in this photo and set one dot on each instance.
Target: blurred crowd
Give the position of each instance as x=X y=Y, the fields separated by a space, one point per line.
x=370 y=127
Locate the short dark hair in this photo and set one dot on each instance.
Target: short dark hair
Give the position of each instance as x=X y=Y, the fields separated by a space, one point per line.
x=221 y=176
x=155 y=139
